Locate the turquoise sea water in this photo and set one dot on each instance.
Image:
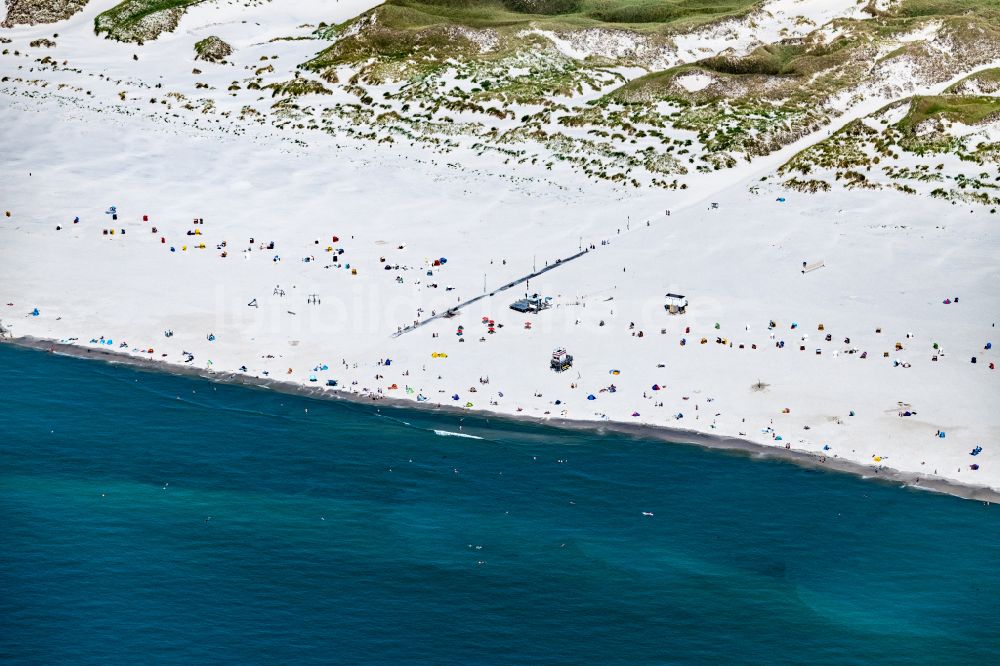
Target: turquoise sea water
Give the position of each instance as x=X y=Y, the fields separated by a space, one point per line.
x=147 y=518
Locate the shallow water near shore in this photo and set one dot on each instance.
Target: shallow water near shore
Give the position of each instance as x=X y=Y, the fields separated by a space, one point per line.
x=156 y=518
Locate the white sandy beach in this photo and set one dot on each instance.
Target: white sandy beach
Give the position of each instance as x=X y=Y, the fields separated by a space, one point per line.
x=732 y=243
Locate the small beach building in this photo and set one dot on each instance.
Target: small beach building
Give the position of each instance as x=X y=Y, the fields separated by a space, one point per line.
x=533 y=304
x=561 y=360
x=675 y=304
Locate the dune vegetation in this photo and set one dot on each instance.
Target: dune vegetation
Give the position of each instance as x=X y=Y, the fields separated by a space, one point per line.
x=141 y=20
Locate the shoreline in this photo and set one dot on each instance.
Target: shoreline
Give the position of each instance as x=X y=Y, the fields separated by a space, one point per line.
x=736 y=445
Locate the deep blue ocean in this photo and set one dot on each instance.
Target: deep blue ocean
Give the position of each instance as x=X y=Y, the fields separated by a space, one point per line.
x=148 y=518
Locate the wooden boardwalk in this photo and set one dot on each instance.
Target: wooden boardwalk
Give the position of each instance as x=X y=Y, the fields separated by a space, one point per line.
x=452 y=311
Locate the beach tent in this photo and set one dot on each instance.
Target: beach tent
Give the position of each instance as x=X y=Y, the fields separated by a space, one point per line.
x=591 y=397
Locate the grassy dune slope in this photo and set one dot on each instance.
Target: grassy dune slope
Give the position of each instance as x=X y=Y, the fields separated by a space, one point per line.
x=632 y=14
x=141 y=20
x=399 y=29
x=940 y=146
